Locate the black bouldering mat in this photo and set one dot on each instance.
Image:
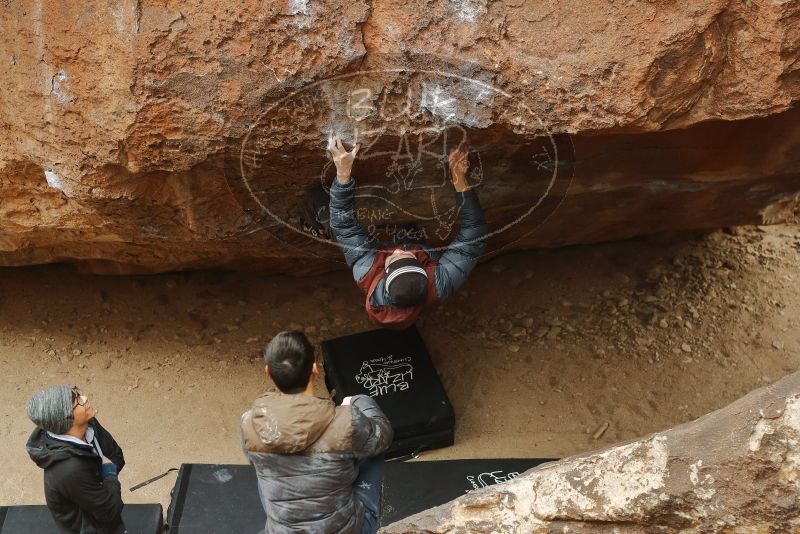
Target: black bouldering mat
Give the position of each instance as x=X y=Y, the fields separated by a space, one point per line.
x=36 y=519
x=216 y=498
x=411 y=487
x=220 y=498
x=395 y=368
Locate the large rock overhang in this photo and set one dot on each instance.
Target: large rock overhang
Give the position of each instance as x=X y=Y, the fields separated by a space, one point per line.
x=125 y=128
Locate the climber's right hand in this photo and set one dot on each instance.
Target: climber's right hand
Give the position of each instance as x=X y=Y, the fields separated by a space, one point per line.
x=458 y=160
x=342 y=158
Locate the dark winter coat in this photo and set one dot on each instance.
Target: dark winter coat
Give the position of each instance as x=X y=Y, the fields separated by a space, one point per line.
x=83 y=498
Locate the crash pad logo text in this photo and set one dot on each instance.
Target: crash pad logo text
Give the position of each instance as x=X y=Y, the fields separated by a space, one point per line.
x=383 y=376
x=490 y=478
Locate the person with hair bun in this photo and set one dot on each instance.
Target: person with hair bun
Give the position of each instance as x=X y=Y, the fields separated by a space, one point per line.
x=319 y=466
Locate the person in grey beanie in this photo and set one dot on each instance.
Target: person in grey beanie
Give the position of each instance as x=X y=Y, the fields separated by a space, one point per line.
x=80 y=460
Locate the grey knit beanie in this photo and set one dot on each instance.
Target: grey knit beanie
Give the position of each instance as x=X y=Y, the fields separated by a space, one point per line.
x=51 y=409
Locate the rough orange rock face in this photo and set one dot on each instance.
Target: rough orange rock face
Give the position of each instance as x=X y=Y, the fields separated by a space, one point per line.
x=142 y=136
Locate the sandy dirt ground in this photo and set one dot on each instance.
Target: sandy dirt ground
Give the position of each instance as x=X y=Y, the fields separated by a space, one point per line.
x=540 y=352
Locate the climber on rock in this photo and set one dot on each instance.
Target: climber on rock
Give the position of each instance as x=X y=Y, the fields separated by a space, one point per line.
x=399 y=279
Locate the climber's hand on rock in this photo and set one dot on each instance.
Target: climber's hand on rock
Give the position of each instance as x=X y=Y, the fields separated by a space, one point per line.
x=342 y=158
x=458 y=160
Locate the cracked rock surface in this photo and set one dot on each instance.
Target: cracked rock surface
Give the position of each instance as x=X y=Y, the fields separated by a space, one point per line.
x=143 y=136
x=733 y=470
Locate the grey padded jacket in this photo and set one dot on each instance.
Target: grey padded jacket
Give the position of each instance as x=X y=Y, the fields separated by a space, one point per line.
x=304 y=450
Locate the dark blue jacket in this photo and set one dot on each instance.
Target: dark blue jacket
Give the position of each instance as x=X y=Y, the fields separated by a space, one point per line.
x=454 y=265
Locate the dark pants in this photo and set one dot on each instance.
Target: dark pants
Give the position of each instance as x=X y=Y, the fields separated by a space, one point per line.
x=368 y=491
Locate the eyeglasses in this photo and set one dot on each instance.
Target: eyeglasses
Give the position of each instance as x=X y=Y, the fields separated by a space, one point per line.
x=76 y=398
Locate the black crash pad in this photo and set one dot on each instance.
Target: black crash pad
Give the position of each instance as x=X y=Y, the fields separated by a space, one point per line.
x=395 y=368
x=36 y=519
x=223 y=498
x=411 y=487
x=216 y=498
